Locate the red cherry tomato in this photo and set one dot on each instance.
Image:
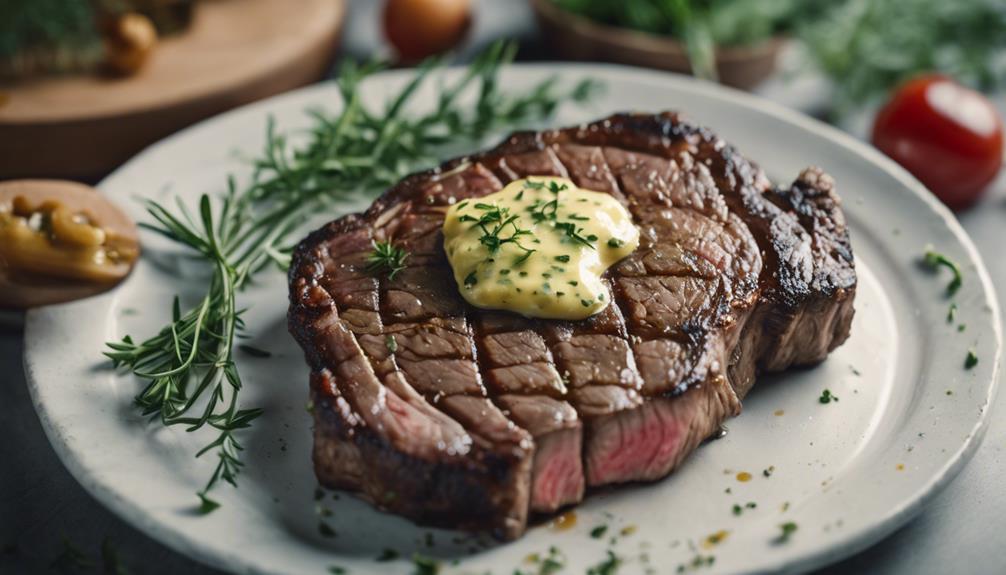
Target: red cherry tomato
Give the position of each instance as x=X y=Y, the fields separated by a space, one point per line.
x=950 y=137
x=421 y=28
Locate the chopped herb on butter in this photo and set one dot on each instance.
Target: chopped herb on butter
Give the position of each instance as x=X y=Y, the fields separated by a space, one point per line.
x=528 y=227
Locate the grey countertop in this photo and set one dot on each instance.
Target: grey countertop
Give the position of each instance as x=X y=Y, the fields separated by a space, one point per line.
x=46 y=518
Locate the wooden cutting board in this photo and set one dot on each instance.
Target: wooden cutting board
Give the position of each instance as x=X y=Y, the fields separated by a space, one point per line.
x=236 y=51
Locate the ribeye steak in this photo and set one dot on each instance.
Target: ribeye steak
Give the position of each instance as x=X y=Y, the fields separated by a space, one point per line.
x=466 y=418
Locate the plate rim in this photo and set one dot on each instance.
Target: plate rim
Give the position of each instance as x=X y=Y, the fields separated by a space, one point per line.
x=836 y=550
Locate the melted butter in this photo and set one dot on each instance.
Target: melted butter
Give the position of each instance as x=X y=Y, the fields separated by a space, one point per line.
x=50 y=240
x=538 y=247
x=715 y=539
x=565 y=521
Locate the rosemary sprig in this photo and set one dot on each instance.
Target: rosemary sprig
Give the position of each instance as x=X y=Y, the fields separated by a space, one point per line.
x=386 y=258
x=191 y=376
x=189 y=371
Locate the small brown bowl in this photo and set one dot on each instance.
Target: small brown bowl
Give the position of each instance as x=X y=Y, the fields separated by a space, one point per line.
x=78 y=197
x=575 y=37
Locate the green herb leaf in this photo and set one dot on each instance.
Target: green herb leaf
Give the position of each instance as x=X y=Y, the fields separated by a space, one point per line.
x=425 y=565
x=971 y=360
x=387 y=555
x=386 y=258
x=934 y=260
x=827 y=397
x=325 y=530
x=554 y=562
x=207 y=505
x=494 y=222
x=786 y=531
x=607 y=567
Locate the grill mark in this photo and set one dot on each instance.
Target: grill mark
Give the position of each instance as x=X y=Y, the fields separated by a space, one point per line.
x=480 y=342
x=616 y=303
x=447 y=429
x=476 y=339
x=685 y=338
x=397 y=371
x=563 y=171
x=616 y=298
x=472 y=333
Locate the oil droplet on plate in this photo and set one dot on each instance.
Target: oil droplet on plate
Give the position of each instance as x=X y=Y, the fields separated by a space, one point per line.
x=565 y=521
x=743 y=477
x=715 y=539
x=779 y=413
x=901 y=467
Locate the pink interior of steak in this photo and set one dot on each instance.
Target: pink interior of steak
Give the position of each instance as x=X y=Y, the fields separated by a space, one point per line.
x=622 y=396
x=557 y=479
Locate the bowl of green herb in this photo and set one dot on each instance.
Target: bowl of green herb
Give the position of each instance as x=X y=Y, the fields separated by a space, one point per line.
x=735 y=42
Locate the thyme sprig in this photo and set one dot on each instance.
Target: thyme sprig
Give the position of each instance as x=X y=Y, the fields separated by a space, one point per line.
x=188 y=368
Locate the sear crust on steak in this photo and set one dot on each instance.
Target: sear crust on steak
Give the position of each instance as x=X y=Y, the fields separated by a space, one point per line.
x=467 y=418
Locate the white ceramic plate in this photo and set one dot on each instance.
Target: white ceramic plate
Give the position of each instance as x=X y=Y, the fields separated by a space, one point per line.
x=847 y=473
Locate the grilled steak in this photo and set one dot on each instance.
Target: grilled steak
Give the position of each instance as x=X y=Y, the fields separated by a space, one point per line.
x=467 y=418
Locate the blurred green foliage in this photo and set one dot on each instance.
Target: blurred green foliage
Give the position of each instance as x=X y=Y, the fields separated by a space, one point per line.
x=865 y=46
x=26 y=24
x=869 y=46
x=701 y=24
x=40 y=36
x=729 y=22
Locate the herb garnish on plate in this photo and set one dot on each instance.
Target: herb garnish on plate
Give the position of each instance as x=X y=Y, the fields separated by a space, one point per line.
x=934 y=260
x=786 y=531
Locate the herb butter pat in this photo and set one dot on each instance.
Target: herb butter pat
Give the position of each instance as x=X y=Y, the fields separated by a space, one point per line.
x=538 y=247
